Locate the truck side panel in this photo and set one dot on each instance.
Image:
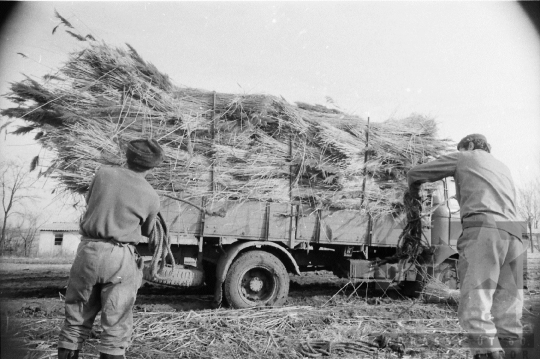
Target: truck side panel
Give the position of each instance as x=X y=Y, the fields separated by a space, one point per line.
x=344 y=227
x=250 y=220
x=272 y=221
x=307 y=224
x=332 y=227
x=183 y=219
x=245 y=220
x=386 y=231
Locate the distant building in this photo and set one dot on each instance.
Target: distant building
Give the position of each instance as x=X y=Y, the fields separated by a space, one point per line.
x=58 y=239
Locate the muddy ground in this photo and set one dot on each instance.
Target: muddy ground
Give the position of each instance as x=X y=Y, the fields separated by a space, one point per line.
x=34 y=290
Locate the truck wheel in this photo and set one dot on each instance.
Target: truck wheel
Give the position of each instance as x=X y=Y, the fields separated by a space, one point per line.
x=447 y=274
x=179 y=276
x=255 y=279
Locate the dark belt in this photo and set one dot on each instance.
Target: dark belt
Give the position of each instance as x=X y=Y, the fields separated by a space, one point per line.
x=112 y=241
x=510 y=227
x=139 y=259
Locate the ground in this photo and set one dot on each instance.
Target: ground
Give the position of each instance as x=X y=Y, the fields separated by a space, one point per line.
x=31 y=295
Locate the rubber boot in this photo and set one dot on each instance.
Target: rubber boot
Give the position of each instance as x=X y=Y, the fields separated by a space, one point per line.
x=64 y=353
x=110 y=356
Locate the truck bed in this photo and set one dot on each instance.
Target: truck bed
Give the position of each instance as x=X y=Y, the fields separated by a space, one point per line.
x=290 y=224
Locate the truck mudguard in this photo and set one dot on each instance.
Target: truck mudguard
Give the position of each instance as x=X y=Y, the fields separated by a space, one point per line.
x=232 y=252
x=442 y=253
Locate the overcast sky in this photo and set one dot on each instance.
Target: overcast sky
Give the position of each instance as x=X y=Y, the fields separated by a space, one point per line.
x=473 y=66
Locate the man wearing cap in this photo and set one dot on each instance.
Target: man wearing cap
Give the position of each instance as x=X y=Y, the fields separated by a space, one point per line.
x=106 y=273
x=490 y=247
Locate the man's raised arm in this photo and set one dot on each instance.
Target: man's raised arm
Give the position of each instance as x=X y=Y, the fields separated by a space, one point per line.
x=442 y=167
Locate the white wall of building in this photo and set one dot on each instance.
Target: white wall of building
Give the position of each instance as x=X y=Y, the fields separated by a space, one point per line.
x=68 y=247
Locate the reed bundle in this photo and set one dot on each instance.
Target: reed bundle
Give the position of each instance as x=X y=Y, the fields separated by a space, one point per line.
x=437 y=292
x=217 y=145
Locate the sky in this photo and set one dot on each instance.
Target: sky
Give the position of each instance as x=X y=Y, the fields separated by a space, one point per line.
x=472 y=66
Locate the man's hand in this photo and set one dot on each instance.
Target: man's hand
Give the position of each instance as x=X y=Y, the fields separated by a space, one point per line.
x=414 y=192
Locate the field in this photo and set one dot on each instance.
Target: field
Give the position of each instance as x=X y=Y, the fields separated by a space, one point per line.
x=174 y=323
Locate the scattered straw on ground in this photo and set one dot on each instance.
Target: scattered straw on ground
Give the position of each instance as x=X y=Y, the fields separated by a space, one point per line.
x=269 y=332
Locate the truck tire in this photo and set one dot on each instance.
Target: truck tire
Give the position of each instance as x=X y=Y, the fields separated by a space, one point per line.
x=256 y=279
x=180 y=276
x=447 y=274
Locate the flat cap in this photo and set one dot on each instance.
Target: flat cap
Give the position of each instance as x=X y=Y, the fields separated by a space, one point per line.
x=144 y=153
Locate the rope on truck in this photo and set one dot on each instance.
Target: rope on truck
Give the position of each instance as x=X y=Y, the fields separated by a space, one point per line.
x=410 y=243
x=160 y=245
x=159 y=240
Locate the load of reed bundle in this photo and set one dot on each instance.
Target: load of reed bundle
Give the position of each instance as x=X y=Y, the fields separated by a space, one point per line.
x=218 y=146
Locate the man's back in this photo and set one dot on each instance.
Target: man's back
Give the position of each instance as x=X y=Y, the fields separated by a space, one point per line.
x=120 y=201
x=484 y=185
x=490 y=247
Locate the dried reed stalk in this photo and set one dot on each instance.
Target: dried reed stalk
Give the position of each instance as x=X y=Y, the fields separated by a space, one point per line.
x=437 y=292
x=103 y=97
x=267 y=333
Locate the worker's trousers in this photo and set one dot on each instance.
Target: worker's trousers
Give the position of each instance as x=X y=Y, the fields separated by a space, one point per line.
x=104 y=276
x=491 y=294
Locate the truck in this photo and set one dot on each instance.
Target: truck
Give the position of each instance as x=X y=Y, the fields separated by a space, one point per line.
x=246 y=253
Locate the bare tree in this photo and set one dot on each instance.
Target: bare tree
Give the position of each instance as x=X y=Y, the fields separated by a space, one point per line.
x=27 y=230
x=10 y=239
x=16 y=184
x=529 y=205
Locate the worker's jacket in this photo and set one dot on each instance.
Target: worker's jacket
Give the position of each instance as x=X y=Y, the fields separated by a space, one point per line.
x=122 y=206
x=484 y=188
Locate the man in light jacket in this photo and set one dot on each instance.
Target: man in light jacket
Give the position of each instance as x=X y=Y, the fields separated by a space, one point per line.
x=490 y=247
x=121 y=207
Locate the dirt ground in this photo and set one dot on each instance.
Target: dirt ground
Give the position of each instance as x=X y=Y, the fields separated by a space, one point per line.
x=35 y=291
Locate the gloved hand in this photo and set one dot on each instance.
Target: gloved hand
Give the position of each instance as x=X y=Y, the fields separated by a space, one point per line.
x=414 y=192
